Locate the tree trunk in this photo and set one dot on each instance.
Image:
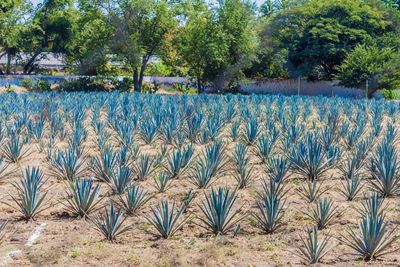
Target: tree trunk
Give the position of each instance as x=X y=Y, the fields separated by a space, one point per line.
x=199 y=89
x=141 y=76
x=137 y=87
x=8 y=70
x=28 y=68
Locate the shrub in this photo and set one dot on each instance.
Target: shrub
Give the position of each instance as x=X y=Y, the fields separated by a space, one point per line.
x=42 y=86
x=28 y=84
x=124 y=85
x=85 y=84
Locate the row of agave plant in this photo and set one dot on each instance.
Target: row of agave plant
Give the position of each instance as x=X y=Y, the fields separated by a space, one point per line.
x=298 y=139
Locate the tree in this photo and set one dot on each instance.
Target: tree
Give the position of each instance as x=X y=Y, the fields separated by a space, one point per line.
x=49 y=30
x=12 y=14
x=139 y=29
x=376 y=62
x=86 y=52
x=218 y=42
x=271 y=7
x=319 y=34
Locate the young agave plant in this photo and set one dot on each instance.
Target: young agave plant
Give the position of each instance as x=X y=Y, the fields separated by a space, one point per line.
x=178 y=161
x=211 y=164
x=67 y=165
x=235 y=130
x=323 y=213
x=121 y=178
x=166 y=221
x=103 y=166
x=30 y=193
x=351 y=187
x=134 y=199
x=264 y=147
x=14 y=150
x=251 y=131
x=144 y=167
x=243 y=173
x=312 y=191
x=374 y=238
x=310 y=160
x=82 y=197
x=312 y=251
x=271 y=211
x=111 y=224
x=162 y=181
x=278 y=168
x=272 y=188
x=385 y=170
x=372 y=204
x=219 y=214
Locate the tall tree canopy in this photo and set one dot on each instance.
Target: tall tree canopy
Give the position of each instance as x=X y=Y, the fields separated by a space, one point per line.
x=319 y=34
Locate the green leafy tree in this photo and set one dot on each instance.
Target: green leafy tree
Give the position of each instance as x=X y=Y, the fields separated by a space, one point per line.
x=376 y=62
x=218 y=42
x=12 y=14
x=86 y=52
x=319 y=34
x=139 y=29
x=49 y=30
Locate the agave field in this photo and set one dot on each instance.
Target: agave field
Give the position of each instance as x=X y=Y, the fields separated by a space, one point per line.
x=207 y=180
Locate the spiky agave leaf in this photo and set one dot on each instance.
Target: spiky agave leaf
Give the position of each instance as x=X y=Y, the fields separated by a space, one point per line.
x=271 y=212
x=30 y=194
x=385 y=170
x=14 y=150
x=162 y=182
x=243 y=172
x=312 y=250
x=144 y=167
x=323 y=213
x=134 y=199
x=178 y=162
x=2 y=227
x=111 y=224
x=165 y=220
x=67 y=164
x=278 y=168
x=121 y=178
x=103 y=167
x=219 y=214
x=374 y=238
x=312 y=191
x=351 y=187
x=82 y=197
x=310 y=160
